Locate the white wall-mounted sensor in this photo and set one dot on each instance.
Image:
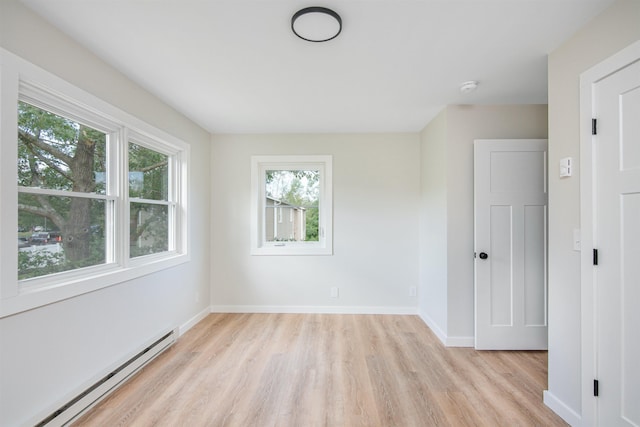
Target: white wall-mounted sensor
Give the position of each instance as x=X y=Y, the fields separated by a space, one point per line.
x=566 y=167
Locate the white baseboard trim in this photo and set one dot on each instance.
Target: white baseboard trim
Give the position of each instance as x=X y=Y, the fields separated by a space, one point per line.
x=312 y=309
x=566 y=413
x=442 y=336
x=461 y=342
x=182 y=329
x=435 y=328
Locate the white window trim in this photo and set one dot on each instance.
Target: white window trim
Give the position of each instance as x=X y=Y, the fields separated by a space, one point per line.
x=259 y=165
x=20 y=79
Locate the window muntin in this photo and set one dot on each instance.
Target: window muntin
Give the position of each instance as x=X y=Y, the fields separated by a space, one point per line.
x=292 y=205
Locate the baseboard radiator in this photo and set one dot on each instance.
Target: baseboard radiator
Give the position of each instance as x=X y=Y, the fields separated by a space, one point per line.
x=101 y=389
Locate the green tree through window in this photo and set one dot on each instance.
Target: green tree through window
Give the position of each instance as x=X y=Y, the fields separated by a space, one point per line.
x=149 y=214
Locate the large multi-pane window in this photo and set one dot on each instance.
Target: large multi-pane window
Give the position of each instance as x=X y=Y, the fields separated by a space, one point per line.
x=68 y=194
x=100 y=196
x=291 y=205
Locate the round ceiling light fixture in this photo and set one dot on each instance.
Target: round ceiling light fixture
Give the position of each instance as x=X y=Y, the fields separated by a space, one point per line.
x=316 y=24
x=469 y=86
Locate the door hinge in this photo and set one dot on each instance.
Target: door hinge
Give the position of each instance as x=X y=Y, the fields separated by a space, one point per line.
x=594 y=126
x=595 y=257
x=596 y=391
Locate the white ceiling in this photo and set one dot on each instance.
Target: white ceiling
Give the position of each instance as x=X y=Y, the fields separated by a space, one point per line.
x=234 y=66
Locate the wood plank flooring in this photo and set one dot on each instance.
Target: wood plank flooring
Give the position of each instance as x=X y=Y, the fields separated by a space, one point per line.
x=304 y=370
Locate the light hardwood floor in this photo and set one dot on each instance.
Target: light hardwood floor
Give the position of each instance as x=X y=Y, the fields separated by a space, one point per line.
x=308 y=370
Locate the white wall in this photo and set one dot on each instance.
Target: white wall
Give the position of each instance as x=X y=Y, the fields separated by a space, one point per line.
x=614 y=29
x=462 y=125
x=433 y=300
x=50 y=353
x=375 y=221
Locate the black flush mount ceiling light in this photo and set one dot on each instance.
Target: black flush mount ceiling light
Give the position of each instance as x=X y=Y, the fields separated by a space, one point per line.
x=316 y=24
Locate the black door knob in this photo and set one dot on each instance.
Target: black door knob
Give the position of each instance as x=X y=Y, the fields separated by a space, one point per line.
x=483 y=255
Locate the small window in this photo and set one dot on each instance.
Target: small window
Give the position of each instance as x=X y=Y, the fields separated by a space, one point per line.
x=297 y=188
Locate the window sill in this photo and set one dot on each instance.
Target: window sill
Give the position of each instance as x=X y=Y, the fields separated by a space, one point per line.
x=31 y=297
x=291 y=249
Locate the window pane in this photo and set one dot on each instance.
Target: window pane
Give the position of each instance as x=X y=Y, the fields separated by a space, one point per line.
x=291 y=205
x=148 y=173
x=58 y=153
x=149 y=229
x=58 y=234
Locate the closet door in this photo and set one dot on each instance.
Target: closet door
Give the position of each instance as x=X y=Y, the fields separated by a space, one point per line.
x=616 y=275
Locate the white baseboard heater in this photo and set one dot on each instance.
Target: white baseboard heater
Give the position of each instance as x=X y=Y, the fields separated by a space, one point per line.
x=101 y=389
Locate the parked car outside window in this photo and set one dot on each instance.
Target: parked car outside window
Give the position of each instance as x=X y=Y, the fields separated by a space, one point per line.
x=55 y=237
x=46 y=238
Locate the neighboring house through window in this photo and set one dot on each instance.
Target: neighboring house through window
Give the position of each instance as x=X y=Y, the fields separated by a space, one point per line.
x=292 y=229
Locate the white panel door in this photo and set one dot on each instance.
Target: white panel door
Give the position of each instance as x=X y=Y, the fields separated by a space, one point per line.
x=510 y=244
x=617 y=239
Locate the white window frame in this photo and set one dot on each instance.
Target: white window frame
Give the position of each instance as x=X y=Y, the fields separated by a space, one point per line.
x=259 y=166
x=21 y=80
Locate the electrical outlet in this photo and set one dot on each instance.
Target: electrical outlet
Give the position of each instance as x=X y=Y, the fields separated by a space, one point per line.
x=413 y=291
x=334 y=292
